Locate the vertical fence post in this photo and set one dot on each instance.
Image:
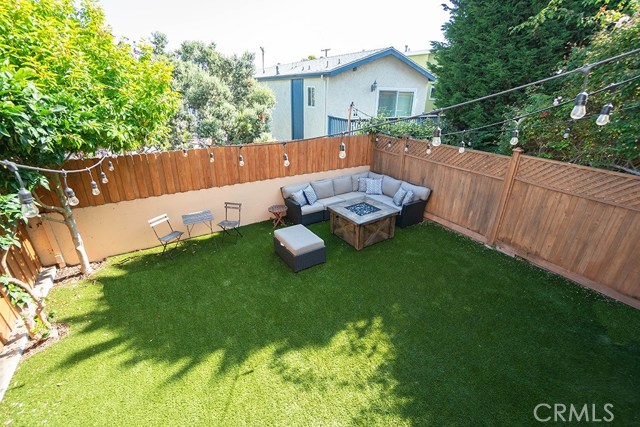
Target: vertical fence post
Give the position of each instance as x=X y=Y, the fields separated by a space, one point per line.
x=507 y=186
x=402 y=156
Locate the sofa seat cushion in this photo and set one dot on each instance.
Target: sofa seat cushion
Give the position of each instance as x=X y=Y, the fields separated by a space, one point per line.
x=288 y=190
x=386 y=200
x=308 y=209
x=342 y=185
x=421 y=193
x=298 y=239
x=354 y=195
x=323 y=188
x=328 y=201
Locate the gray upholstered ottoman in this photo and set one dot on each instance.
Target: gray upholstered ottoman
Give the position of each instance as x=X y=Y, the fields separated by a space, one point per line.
x=299 y=247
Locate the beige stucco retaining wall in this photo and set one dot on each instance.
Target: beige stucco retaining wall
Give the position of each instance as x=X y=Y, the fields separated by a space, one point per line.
x=118 y=228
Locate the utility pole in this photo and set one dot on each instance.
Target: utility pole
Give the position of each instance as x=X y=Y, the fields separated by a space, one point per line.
x=325 y=52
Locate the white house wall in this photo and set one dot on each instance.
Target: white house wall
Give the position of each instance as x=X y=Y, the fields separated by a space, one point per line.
x=315 y=122
x=281 y=113
x=388 y=73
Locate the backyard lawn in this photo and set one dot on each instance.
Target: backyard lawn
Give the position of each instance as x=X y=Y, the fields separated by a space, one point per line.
x=427 y=329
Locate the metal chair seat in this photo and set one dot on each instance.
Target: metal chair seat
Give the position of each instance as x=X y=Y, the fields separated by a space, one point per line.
x=173 y=235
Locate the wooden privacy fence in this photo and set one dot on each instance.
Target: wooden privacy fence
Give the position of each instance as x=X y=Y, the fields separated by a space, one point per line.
x=140 y=176
x=23 y=264
x=580 y=222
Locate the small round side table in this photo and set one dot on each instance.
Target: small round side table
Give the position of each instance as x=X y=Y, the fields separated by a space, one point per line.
x=279 y=212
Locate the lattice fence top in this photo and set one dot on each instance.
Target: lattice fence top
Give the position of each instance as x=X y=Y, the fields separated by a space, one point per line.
x=388 y=144
x=475 y=161
x=605 y=186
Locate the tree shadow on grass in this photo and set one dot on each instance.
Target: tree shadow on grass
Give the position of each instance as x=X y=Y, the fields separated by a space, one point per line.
x=443 y=330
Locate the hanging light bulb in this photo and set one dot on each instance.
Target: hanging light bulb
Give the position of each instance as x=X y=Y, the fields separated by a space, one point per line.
x=94 y=188
x=240 y=156
x=567 y=132
x=428 y=149
x=285 y=157
x=27 y=205
x=389 y=144
x=514 y=137
x=111 y=168
x=603 y=118
x=461 y=149
x=406 y=148
x=71 y=196
x=437 y=140
x=343 y=151
x=68 y=192
x=580 y=109
x=93 y=184
x=211 y=159
x=184 y=152
x=103 y=178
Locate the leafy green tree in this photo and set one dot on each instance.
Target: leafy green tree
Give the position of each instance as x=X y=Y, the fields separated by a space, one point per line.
x=221 y=101
x=68 y=88
x=488 y=50
x=615 y=145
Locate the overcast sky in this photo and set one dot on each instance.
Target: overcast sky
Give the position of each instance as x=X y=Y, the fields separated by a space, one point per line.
x=289 y=30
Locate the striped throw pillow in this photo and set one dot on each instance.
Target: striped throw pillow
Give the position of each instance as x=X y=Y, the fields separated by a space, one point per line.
x=399 y=196
x=298 y=196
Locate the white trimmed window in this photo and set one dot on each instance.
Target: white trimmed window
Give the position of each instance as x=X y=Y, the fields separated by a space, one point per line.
x=395 y=103
x=432 y=92
x=311 y=96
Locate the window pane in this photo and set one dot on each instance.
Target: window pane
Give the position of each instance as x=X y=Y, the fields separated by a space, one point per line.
x=405 y=102
x=311 y=96
x=387 y=103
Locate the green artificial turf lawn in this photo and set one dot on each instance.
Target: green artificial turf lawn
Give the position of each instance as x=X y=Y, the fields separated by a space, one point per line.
x=426 y=329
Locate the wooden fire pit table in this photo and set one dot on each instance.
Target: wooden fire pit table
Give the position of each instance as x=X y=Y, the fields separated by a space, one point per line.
x=351 y=222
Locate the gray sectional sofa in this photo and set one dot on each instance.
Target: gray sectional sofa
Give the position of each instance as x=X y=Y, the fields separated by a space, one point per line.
x=348 y=187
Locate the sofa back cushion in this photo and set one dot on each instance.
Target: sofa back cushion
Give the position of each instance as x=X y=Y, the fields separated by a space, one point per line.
x=390 y=186
x=342 y=185
x=374 y=175
x=323 y=188
x=421 y=193
x=355 y=183
x=288 y=190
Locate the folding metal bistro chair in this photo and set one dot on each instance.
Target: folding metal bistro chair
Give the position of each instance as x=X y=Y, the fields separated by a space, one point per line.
x=231 y=224
x=166 y=238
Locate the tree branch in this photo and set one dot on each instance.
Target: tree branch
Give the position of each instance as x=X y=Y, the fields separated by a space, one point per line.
x=627 y=170
x=48 y=207
x=48 y=218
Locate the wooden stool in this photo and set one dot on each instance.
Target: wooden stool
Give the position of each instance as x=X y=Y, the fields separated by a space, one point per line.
x=279 y=212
